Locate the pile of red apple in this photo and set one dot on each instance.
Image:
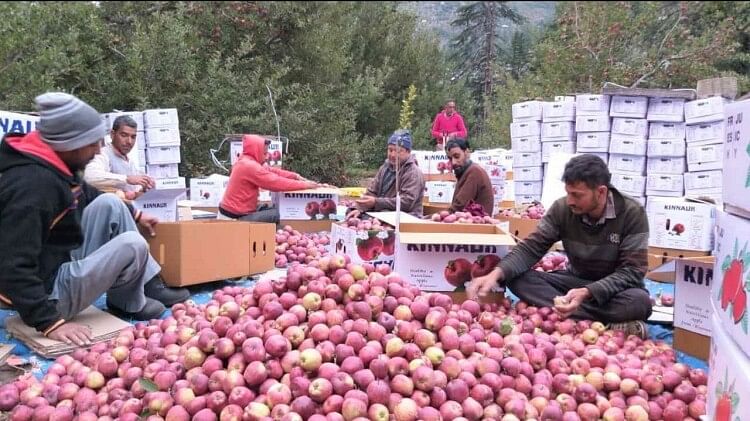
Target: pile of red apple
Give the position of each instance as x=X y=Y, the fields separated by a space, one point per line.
x=551 y=262
x=532 y=211
x=333 y=341
x=295 y=246
x=462 y=218
x=445 y=166
x=373 y=224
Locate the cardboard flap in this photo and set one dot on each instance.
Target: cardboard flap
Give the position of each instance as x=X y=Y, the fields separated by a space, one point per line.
x=439 y=233
x=321 y=190
x=390 y=218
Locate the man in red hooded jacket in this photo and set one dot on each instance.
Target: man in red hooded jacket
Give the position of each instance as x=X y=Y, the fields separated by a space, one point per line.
x=249 y=175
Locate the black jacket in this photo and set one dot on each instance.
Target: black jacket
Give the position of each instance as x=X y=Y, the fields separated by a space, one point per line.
x=41 y=205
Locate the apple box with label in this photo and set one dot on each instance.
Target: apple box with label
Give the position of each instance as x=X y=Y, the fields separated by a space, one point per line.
x=208 y=191
x=160 y=203
x=443 y=257
x=307 y=205
x=17 y=123
x=692 y=305
x=676 y=223
x=364 y=245
x=737 y=158
x=731 y=286
x=728 y=380
x=440 y=191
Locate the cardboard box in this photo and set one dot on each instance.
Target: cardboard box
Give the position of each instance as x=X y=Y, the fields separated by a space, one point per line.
x=666 y=148
x=448 y=176
x=662 y=262
x=529 y=174
x=138 y=157
x=375 y=247
x=736 y=160
x=140 y=141
x=262 y=253
x=728 y=382
x=275 y=152
x=529 y=110
x=705 y=133
x=525 y=129
x=705 y=110
x=430 y=208
x=425 y=250
x=163 y=117
x=627 y=164
x=532 y=188
x=626 y=145
x=550 y=149
x=163 y=155
x=633 y=185
x=307 y=205
x=592 y=142
x=593 y=123
x=633 y=127
x=208 y=191
x=559 y=111
x=666 y=109
x=440 y=191
x=603 y=155
x=422 y=158
x=692 y=304
x=680 y=224
x=521 y=228
x=704 y=180
x=526 y=144
x=527 y=198
x=592 y=105
x=663 y=130
x=666 y=185
x=170 y=183
x=163 y=170
x=628 y=106
x=665 y=166
x=527 y=159
x=705 y=158
x=162 y=136
x=160 y=203
x=731 y=287
x=557 y=131
x=196 y=252
x=706 y=195
x=492 y=297
x=302 y=225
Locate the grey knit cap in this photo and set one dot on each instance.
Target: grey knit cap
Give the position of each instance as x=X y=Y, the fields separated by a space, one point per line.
x=66 y=123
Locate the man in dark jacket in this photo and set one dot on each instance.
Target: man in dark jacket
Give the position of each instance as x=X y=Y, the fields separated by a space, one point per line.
x=381 y=193
x=472 y=182
x=63 y=242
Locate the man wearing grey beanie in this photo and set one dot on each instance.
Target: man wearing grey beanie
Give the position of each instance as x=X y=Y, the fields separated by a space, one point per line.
x=63 y=242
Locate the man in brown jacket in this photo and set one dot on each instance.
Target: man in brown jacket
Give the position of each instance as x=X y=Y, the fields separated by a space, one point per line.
x=472 y=182
x=381 y=193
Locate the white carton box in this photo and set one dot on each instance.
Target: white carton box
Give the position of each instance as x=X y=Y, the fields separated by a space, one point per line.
x=662 y=130
x=680 y=224
x=558 y=130
x=626 y=145
x=592 y=142
x=363 y=246
x=440 y=157
x=315 y=204
x=529 y=110
x=565 y=98
x=163 y=170
x=138 y=157
x=559 y=111
x=496 y=173
x=730 y=289
x=603 y=155
x=634 y=127
x=160 y=203
x=425 y=258
x=692 y=295
x=527 y=159
x=163 y=155
x=665 y=165
x=728 y=382
x=208 y=191
x=633 y=185
x=264 y=196
x=527 y=198
x=710 y=195
x=422 y=158
x=666 y=148
x=736 y=158
x=275 y=152
x=528 y=174
x=440 y=191
x=162 y=136
x=705 y=133
x=705 y=110
x=593 y=123
x=170 y=183
x=550 y=149
x=592 y=105
x=628 y=106
x=667 y=185
x=666 y=109
x=137 y=116
x=704 y=158
x=531 y=188
x=164 y=117
x=627 y=163
x=525 y=128
x=526 y=144
x=703 y=180
x=640 y=199
x=140 y=140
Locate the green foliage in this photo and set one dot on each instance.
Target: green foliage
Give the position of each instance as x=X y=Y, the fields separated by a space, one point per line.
x=407 y=113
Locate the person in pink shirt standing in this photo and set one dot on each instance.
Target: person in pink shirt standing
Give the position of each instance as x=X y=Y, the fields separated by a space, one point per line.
x=448 y=125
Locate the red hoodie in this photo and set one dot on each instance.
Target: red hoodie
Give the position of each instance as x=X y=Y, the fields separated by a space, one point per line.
x=448 y=125
x=249 y=174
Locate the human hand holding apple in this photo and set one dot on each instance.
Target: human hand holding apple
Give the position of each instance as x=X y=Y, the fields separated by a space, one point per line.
x=479 y=287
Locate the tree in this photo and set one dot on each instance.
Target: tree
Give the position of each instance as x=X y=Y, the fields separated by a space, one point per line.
x=519 y=55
